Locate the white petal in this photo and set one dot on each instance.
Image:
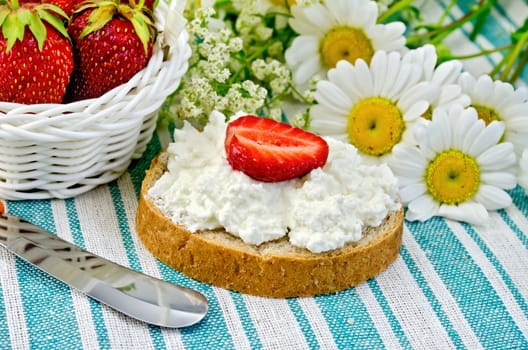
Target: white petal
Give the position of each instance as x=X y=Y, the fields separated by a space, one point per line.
x=422 y=208
x=342 y=76
x=498 y=157
x=440 y=135
x=362 y=79
x=392 y=71
x=483 y=92
x=330 y=95
x=411 y=192
x=493 y=198
x=318 y=16
x=502 y=179
x=486 y=139
x=361 y=13
x=388 y=37
x=471 y=135
x=467 y=81
x=302 y=24
x=327 y=113
x=447 y=72
x=302 y=47
x=306 y=70
x=340 y=11
x=416 y=111
x=461 y=124
x=423 y=91
x=407 y=160
x=378 y=67
x=518 y=123
x=470 y=212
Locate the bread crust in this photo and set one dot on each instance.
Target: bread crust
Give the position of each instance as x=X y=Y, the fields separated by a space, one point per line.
x=273 y=269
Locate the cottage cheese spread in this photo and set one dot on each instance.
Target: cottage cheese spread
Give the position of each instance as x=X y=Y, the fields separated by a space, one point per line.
x=324 y=210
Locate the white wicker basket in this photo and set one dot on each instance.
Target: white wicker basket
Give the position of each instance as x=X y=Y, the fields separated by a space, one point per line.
x=62 y=150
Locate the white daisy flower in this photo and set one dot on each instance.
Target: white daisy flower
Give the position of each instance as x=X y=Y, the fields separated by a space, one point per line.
x=458 y=171
x=523 y=171
x=337 y=30
x=444 y=76
x=373 y=108
x=497 y=100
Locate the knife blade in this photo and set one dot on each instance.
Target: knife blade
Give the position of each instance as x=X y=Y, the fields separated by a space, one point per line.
x=135 y=294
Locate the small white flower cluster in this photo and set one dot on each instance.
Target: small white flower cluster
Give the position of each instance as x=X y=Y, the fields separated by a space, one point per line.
x=207 y=86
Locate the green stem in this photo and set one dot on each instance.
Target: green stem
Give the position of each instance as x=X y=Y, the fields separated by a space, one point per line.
x=441 y=33
x=482 y=53
x=520 y=67
x=513 y=57
x=296 y=92
x=446 y=12
x=501 y=64
x=393 y=9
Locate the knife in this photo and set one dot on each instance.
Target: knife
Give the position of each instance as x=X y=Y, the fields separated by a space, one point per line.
x=135 y=294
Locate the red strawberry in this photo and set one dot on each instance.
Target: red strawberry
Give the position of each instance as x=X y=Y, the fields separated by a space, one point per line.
x=270 y=151
x=36 y=58
x=112 y=42
x=68 y=6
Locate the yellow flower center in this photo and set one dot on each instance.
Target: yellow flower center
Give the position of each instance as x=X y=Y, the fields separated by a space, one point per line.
x=284 y=3
x=452 y=177
x=375 y=125
x=345 y=43
x=486 y=114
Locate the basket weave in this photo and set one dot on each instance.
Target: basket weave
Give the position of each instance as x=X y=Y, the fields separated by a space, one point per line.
x=62 y=150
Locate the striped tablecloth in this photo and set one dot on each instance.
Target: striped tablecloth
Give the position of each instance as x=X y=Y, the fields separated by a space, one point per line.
x=452 y=286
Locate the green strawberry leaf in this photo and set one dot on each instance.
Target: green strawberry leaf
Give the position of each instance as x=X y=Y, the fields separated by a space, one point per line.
x=98 y=19
x=142 y=29
x=12 y=30
x=4 y=11
x=54 y=21
x=38 y=29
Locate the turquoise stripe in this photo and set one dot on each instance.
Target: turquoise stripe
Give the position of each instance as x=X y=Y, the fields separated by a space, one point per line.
x=5 y=341
x=431 y=297
x=211 y=332
x=464 y=279
x=498 y=266
x=50 y=315
x=519 y=200
x=133 y=260
x=349 y=320
x=515 y=229
x=95 y=307
x=245 y=319
x=304 y=323
x=385 y=307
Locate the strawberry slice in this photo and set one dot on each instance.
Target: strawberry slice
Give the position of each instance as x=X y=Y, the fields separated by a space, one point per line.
x=270 y=151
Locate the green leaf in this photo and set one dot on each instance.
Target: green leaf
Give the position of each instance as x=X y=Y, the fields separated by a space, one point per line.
x=4 y=11
x=519 y=33
x=54 y=21
x=142 y=29
x=38 y=29
x=98 y=19
x=12 y=30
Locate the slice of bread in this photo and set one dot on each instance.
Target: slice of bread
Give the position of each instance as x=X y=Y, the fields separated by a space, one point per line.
x=272 y=269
